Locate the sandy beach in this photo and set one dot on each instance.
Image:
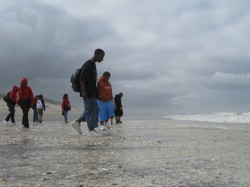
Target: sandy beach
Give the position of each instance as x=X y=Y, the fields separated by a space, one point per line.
x=161 y=152
x=135 y=153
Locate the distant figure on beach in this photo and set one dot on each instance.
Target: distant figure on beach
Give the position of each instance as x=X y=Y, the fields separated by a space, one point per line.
x=118 y=108
x=43 y=102
x=89 y=93
x=105 y=100
x=65 y=107
x=35 y=116
x=25 y=100
x=40 y=107
x=11 y=103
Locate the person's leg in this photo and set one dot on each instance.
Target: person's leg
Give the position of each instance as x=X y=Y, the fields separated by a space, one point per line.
x=9 y=114
x=116 y=119
x=91 y=113
x=109 y=111
x=102 y=114
x=111 y=120
x=12 y=113
x=36 y=115
x=77 y=123
x=66 y=116
x=8 y=117
x=39 y=115
x=25 y=119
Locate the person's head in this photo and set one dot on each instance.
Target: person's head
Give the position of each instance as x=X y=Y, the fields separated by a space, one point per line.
x=41 y=96
x=98 y=55
x=65 y=96
x=24 y=82
x=121 y=94
x=106 y=75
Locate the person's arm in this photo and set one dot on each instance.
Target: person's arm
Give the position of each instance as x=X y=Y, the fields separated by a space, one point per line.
x=83 y=89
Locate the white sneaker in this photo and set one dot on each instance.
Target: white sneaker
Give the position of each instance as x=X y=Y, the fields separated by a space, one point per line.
x=5 y=122
x=76 y=126
x=94 y=133
x=107 y=125
x=103 y=127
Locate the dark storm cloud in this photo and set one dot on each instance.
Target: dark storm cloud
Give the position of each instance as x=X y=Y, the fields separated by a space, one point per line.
x=165 y=56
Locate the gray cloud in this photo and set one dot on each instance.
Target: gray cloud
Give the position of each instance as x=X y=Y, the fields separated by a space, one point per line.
x=166 y=57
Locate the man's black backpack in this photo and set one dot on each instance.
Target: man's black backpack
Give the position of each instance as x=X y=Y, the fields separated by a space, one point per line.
x=75 y=80
x=75 y=77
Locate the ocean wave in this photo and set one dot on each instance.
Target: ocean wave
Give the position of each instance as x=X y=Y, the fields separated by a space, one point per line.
x=220 y=117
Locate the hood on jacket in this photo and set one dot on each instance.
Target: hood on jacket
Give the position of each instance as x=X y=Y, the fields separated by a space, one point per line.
x=15 y=88
x=24 y=80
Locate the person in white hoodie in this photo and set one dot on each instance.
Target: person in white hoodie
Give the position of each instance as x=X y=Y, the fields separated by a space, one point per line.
x=39 y=106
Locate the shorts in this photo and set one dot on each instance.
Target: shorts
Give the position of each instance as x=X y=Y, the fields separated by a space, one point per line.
x=106 y=110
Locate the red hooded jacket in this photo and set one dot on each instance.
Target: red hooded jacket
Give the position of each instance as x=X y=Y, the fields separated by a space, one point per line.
x=13 y=94
x=25 y=92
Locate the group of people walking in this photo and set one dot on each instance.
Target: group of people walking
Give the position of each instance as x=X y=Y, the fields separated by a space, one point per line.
x=23 y=96
x=98 y=101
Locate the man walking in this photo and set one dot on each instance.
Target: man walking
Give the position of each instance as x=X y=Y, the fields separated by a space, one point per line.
x=89 y=93
x=105 y=100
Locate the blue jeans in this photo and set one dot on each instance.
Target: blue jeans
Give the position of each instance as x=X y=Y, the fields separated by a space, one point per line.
x=65 y=115
x=90 y=114
x=35 y=116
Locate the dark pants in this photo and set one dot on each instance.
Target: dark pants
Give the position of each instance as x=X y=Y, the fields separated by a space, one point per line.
x=25 y=106
x=12 y=110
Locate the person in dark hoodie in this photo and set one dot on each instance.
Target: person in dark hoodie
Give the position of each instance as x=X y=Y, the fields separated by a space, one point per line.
x=11 y=102
x=25 y=100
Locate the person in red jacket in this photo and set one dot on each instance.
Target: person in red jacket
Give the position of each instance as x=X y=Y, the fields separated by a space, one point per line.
x=65 y=107
x=25 y=100
x=11 y=102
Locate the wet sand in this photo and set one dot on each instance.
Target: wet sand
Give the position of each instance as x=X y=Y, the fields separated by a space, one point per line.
x=135 y=153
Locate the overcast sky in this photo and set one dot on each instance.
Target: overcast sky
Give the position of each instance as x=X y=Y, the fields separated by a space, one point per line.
x=167 y=57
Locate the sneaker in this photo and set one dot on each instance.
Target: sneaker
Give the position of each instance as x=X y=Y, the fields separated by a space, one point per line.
x=76 y=126
x=103 y=127
x=94 y=133
x=5 y=122
x=107 y=125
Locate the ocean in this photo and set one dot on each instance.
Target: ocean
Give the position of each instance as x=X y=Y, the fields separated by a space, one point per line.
x=219 y=117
